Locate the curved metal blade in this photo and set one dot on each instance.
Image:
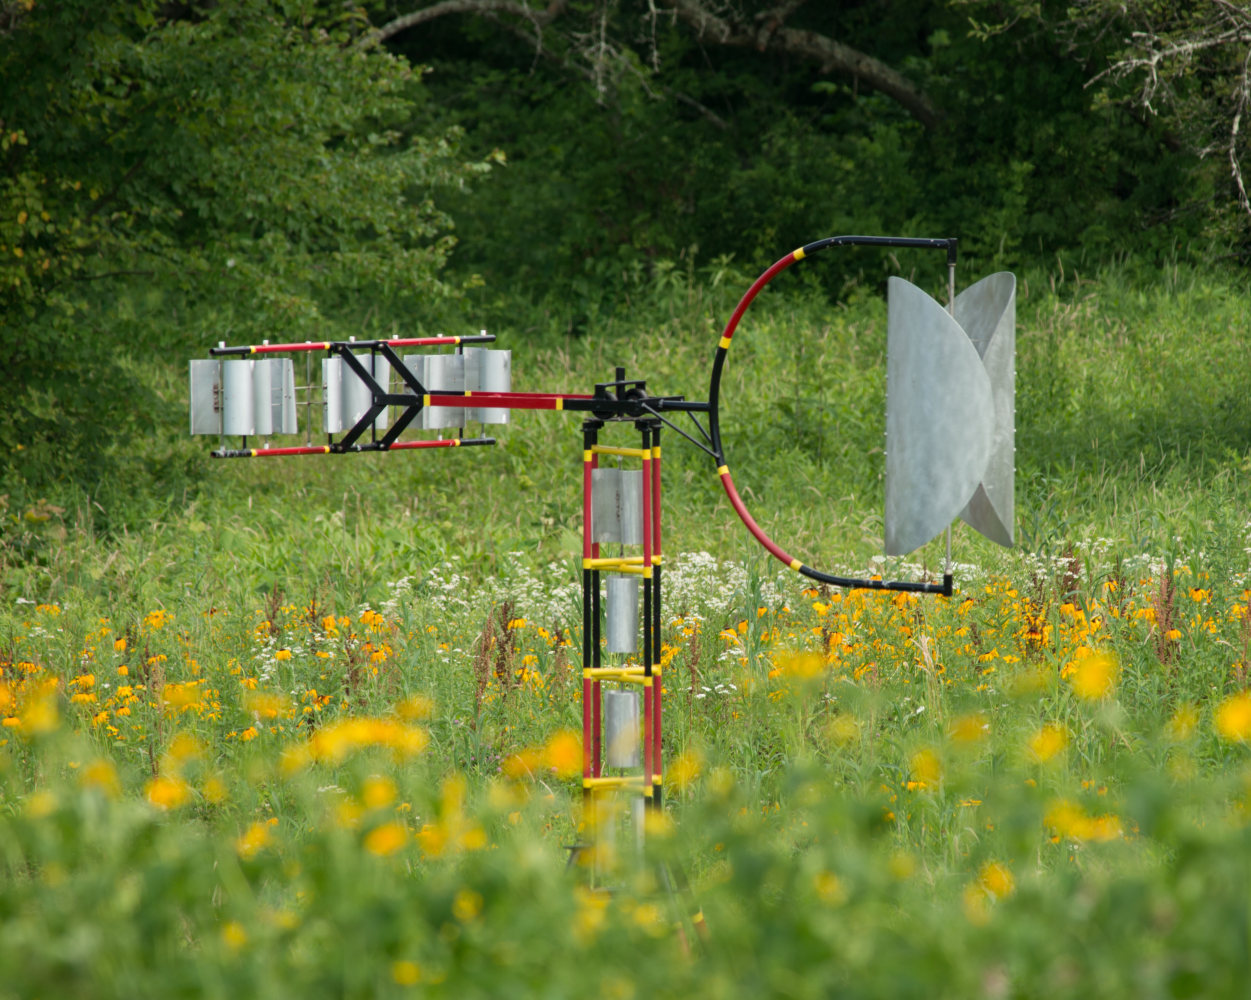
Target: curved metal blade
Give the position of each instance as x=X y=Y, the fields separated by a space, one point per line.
x=939 y=418
x=987 y=311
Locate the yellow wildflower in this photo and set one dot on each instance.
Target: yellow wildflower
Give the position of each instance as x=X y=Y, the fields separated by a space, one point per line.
x=1047 y=742
x=563 y=754
x=685 y=770
x=926 y=768
x=970 y=728
x=253 y=840
x=233 y=935
x=1233 y=718
x=102 y=774
x=405 y=973
x=996 y=878
x=377 y=792
x=168 y=792
x=466 y=905
x=1095 y=676
x=386 y=839
x=1182 y=724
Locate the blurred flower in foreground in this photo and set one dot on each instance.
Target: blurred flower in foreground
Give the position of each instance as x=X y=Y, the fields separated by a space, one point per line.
x=1233 y=718
x=1047 y=742
x=168 y=792
x=1095 y=676
x=563 y=753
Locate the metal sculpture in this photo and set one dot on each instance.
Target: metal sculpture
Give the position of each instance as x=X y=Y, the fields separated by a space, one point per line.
x=949 y=431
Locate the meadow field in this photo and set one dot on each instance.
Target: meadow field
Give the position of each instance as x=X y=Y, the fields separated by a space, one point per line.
x=312 y=727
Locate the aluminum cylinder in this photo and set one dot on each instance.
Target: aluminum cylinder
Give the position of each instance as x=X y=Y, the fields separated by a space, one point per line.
x=621 y=728
x=621 y=608
x=262 y=398
x=488 y=371
x=332 y=395
x=617 y=506
x=443 y=373
x=237 y=398
x=282 y=380
x=357 y=394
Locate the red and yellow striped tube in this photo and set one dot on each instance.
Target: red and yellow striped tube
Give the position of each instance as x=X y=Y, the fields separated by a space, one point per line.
x=750 y=522
x=506 y=400
x=325 y=345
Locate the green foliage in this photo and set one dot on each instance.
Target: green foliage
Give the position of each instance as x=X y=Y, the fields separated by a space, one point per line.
x=683 y=151
x=239 y=173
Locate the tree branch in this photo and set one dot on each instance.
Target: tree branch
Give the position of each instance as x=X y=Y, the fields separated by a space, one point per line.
x=539 y=18
x=831 y=55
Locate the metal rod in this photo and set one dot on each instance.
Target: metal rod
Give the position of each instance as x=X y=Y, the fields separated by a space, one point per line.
x=326 y=345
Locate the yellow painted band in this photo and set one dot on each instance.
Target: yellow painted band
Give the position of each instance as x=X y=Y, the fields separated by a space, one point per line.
x=560 y=403
x=253 y=450
x=252 y=350
x=798 y=254
x=455 y=442
x=586 y=456
x=602 y=449
x=724 y=343
x=795 y=564
x=647 y=572
x=456 y=340
x=656 y=451
x=613 y=781
x=468 y=393
x=425 y=400
x=593 y=672
x=325 y=450
x=621 y=678
x=655 y=560
x=723 y=470
x=656 y=780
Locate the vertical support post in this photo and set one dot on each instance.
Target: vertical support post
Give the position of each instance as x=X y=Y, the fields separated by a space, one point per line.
x=650 y=690
x=657 y=775
x=589 y=436
x=597 y=707
x=951 y=309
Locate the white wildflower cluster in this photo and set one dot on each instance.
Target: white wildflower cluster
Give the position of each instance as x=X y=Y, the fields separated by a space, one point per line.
x=722 y=689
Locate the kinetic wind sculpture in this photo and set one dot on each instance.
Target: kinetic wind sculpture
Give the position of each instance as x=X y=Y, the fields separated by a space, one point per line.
x=949 y=453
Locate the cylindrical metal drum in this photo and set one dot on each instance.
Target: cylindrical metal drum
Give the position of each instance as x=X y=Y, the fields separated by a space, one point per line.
x=621 y=728
x=332 y=395
x=237 y=401
x=621 y=608
x=488 y=371
x=617 y=506
x=357 y=396
x=444 y=373
x=262 y=398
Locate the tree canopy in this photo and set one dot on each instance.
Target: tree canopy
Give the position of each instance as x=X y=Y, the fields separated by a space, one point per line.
x=645 y=130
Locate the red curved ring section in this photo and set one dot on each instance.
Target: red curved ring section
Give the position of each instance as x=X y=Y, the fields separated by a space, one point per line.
x=750 y=522
x=726 y=481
